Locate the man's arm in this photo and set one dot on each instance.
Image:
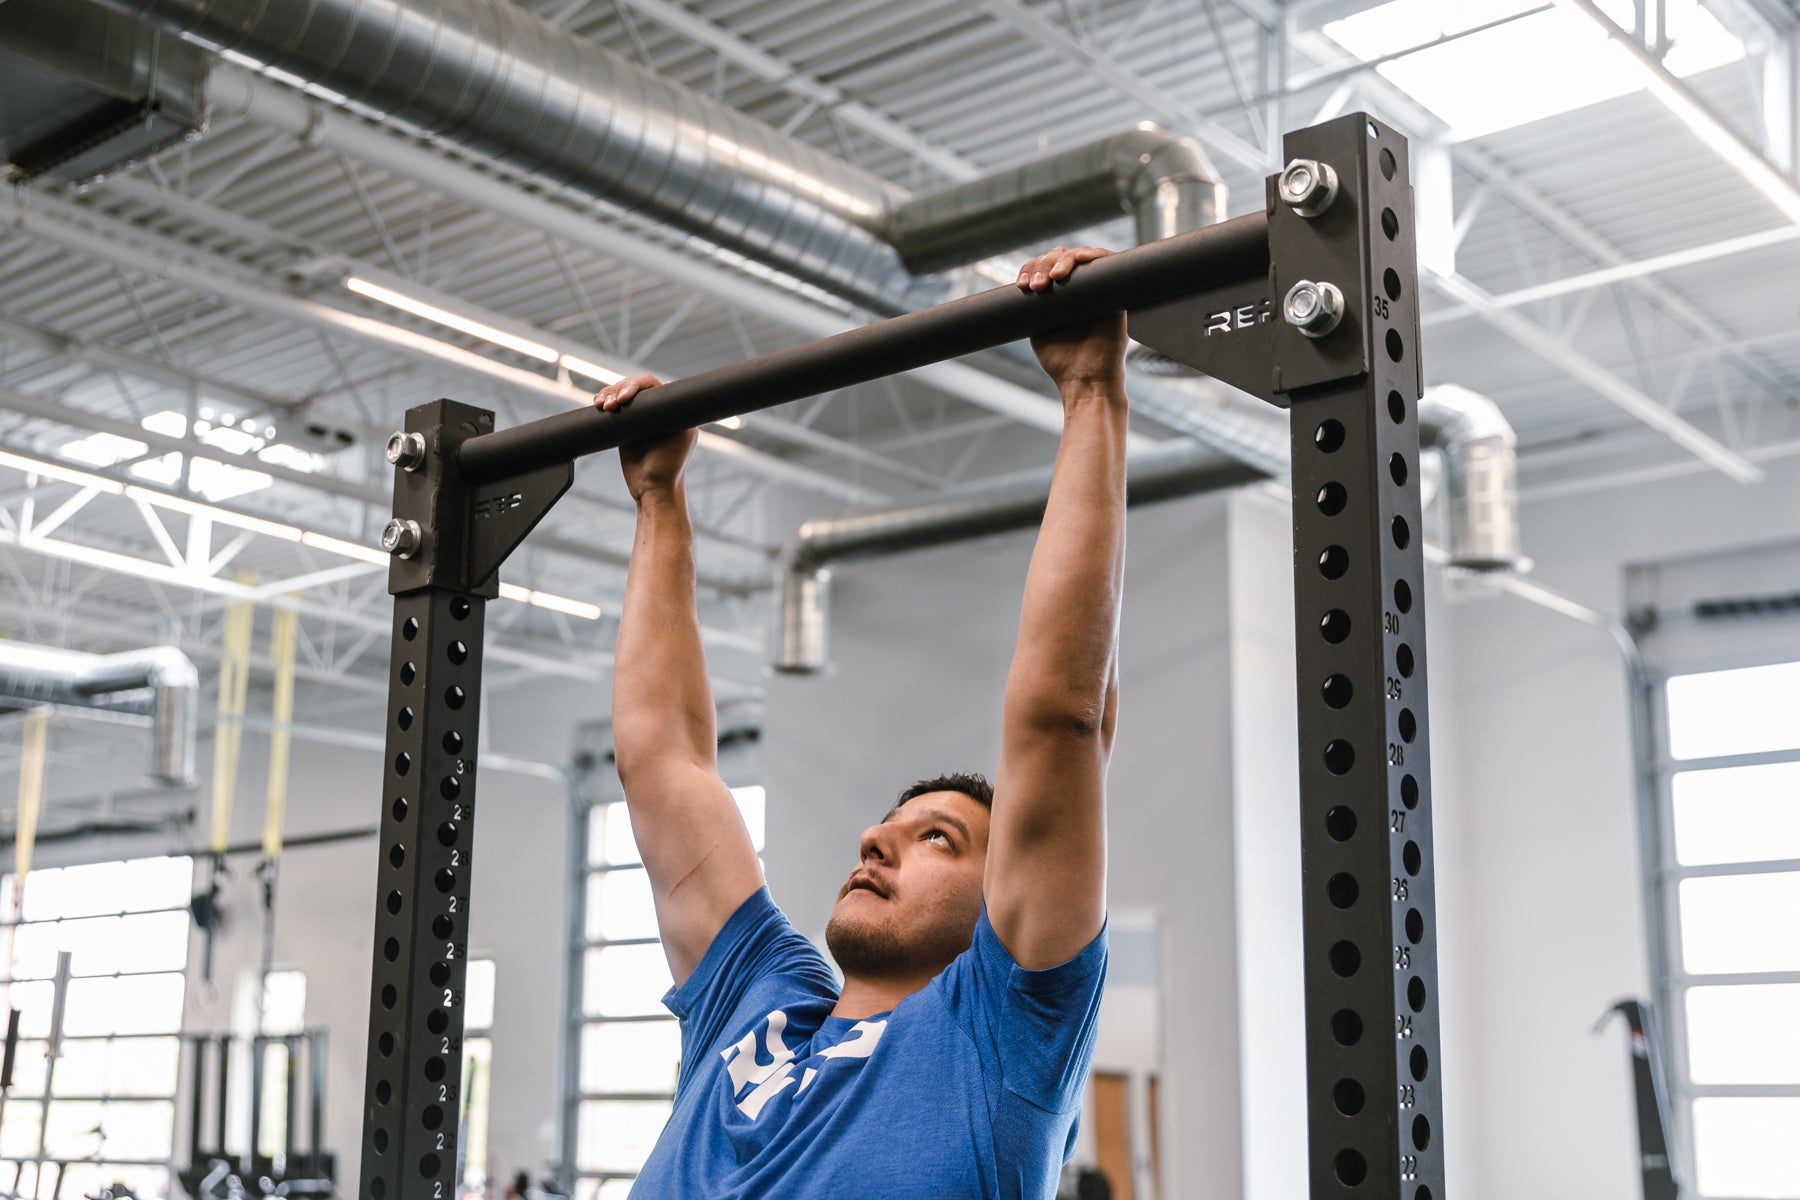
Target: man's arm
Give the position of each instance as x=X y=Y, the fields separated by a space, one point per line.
x=699 y=856
x=1045 y=881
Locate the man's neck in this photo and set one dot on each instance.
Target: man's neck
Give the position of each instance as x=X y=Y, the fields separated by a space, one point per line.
x=864 y=996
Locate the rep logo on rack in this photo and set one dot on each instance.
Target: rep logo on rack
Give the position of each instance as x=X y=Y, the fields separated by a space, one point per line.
x=1244 y=316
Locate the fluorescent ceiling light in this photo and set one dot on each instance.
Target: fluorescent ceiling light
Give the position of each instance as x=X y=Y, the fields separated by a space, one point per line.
x=1473 y=84
x=331 y=545
x=1729 y=145
x=730 y=423
x=441 y=316
x=551 y=601
x=49 y=470
x=590 y=370
x=293 y=458
x=222 y=516
x=102 y=449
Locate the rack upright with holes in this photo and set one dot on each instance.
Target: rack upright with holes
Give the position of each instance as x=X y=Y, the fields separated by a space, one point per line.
x=1311 y=305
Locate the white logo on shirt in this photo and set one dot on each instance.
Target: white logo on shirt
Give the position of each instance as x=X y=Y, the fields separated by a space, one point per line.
x=768 y=1080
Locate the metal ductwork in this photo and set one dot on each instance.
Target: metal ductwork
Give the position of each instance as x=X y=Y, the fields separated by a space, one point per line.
x=1162 y=180
x=1479 y=449
x=804 y=578
x=86 y=92
x=491 y=78
x=1480 y=476
x=160 y=683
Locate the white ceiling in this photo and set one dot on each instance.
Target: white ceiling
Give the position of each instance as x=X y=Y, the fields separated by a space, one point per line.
x=93 y=335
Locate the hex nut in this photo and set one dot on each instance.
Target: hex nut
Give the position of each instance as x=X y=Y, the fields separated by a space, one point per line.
x=402 y=538
x=1313 y=308
x=1308 y=186
x=406 y=450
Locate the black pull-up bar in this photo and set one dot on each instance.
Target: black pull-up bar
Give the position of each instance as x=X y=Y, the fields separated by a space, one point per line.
x=1148 y=274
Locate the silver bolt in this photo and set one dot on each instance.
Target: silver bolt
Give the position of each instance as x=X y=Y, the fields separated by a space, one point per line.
x=1313 y=308
x=1308 y=186
x=401 y=538
x=406 y=450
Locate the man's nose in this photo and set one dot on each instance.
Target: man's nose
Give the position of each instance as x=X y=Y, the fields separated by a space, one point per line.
x=877 y=844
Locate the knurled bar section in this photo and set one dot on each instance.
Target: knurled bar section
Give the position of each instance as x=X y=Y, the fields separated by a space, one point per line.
x=412 y=1097
x=1374 y=1102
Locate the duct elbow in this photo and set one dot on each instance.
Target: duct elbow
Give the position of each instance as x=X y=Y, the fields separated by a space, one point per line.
x=1162 y=179
x=174 y=684
x=803 y=595
x=174 y=721
x=1167 y=182
x=1480 y=477
x=802 y=605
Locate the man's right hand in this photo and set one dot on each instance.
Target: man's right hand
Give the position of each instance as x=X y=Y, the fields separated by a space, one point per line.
x=650 y=466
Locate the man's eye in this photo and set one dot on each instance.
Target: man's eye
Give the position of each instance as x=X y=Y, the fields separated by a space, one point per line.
x=938 y=833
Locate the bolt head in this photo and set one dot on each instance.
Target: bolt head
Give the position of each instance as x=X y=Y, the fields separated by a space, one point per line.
x=1308 y=186
x=401 y=538
x=1313 y=308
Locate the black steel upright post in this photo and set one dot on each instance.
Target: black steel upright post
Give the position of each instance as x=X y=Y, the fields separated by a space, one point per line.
x=1374 y=1105
x=449 y=538
x=1312 y=305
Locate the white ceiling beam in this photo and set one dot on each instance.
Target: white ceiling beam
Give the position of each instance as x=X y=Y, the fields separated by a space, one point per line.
x=789 y=78
x=1167 y=107
x=1587 y=280
x=239 y=93
x=1561 y=354
x=107 y=238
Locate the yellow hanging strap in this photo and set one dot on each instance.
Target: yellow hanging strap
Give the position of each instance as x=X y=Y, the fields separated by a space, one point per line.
x=228 y=729
x=281 y=649
x=31 y=795
x=33 y=749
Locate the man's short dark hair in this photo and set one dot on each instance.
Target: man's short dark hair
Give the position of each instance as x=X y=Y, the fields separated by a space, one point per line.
x=971 y=784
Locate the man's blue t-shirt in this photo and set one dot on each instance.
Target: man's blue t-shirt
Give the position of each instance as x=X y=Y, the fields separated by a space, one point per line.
x=970 y=1087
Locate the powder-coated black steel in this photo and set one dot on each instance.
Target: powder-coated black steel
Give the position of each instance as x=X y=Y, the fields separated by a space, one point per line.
x=1228 y=251
x=1373 y=1099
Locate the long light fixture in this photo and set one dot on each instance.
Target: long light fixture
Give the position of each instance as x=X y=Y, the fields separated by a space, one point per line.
x=49 y=470
x=221 y=516
x=338 y=546
x=224 y=516
x=1721 y=139
x=551 y=601
x=481 y=329
x=591 y=370
x=457 y=321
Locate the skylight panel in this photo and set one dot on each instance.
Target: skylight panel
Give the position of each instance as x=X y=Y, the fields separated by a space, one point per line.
x=168 y=423
x=102 y=449
x=1475 y=83
x=165 y=469
x=218 y=481
x=293 y=458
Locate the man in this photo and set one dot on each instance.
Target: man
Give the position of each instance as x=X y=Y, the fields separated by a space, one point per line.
x=951 y=1061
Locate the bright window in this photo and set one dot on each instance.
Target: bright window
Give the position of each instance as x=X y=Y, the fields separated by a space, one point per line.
x=1730 y=770
x=477 y=1077
x=111 y=1094
x=630 y=1048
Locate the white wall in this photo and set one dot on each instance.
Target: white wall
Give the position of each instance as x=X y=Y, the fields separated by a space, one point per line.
x=1539 y=878
x=921 y=645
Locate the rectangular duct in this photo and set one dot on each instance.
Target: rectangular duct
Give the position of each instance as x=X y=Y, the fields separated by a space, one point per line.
x=84 y=91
